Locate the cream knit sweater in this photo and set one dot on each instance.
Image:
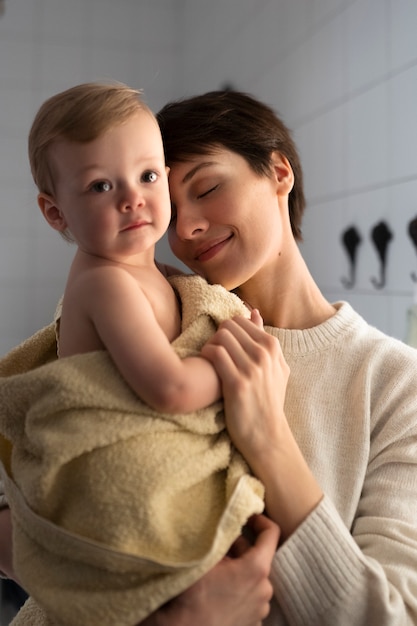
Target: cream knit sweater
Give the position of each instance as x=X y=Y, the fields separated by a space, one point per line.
x=352 y=406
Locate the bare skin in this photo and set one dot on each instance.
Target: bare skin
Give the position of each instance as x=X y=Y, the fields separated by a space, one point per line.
x=232 y=227
x=238 y=233
x=236 y=591
x=255 y=376
x=259 y=259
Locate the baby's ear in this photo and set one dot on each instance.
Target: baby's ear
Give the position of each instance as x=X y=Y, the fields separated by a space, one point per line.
x=51 y=212
x=283 y=172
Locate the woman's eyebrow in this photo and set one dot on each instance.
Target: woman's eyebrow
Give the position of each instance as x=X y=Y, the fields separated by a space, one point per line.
x=195 y=169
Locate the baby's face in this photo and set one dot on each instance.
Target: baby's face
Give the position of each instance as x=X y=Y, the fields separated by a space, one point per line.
x=112 y=193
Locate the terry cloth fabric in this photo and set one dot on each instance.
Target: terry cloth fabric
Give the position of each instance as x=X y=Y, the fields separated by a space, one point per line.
x=31 y=614
x=117 y=508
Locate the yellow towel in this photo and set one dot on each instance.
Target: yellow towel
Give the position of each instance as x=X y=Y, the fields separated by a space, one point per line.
x=35 y=351
x=118 y=508
x=31 y=614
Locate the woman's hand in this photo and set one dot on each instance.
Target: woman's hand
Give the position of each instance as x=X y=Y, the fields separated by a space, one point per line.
x=254 y=377
x=236 y=592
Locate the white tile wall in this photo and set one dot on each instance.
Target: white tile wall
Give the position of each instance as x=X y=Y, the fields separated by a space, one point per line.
x=342 y=73
x=402 y=201
x=326 y=174
x=319 y=220
x=402 y=95
x=402 y=41
x=367 y=43
x=47 y=46
x=367 y=138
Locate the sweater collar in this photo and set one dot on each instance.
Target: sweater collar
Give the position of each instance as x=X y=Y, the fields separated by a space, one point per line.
x=302 y=342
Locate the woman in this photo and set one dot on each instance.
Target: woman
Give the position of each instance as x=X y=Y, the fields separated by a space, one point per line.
x=336 y=447
x=328 y=423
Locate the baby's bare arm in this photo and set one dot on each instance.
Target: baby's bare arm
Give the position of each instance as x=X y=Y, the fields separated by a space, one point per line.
x=126 y=324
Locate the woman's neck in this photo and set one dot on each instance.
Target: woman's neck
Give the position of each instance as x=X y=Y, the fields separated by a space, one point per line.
x=287 y=296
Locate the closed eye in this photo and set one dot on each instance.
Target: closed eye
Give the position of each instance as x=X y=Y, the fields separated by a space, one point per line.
x=206 y=193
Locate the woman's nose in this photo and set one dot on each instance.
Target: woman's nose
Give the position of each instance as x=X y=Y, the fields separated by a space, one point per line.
x=189 y=223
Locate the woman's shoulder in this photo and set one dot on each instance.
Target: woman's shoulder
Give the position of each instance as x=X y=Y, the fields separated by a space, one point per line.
x=345 y=333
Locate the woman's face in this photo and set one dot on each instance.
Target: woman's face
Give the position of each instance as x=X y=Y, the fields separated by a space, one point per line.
x=226 y=220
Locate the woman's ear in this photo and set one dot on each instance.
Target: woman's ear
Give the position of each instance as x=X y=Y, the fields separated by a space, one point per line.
x=283 y=173
x=51 y=212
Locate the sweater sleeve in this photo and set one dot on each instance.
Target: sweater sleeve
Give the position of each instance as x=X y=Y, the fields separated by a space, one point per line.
x=321 y=577
x=353 y=561
x=327 y=574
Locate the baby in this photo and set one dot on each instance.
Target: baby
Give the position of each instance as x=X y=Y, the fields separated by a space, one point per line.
x=97 y=158
x=131 y=487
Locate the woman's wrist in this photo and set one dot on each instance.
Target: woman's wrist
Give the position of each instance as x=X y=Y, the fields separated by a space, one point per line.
x=291 y=490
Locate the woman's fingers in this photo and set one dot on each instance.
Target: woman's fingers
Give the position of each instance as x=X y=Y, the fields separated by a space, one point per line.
x=240 y=350
x=254 y=377
x=239 y=547
x=245 y=341
x=267 y=538
x=237 y=592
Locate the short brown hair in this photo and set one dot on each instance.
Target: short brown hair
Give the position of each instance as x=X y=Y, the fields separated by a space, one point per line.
x=81 y=113
x=239 y=123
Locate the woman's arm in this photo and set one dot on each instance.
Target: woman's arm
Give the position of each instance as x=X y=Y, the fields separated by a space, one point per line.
x=236 y=592
x=360 y=569
x=254 y=376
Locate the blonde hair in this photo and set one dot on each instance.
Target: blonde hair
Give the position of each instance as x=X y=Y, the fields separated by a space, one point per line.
x=81 y=113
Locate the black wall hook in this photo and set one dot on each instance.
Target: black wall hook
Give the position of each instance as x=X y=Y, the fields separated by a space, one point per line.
x=351 y=240
x=412 y=231
x=381 y=235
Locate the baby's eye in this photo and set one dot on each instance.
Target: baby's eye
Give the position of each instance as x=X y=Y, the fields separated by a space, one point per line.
x=149 y=177
x=101 y=186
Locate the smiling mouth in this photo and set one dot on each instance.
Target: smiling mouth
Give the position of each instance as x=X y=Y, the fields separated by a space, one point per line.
x=207 y=253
